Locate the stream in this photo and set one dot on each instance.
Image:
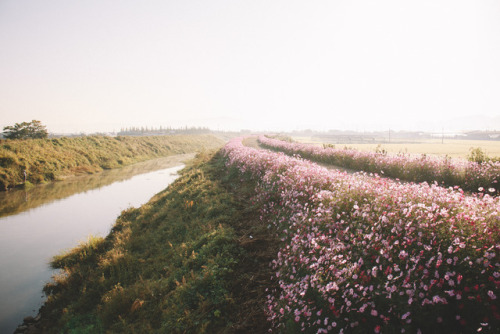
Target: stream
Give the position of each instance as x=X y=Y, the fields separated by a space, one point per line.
x=44 y=221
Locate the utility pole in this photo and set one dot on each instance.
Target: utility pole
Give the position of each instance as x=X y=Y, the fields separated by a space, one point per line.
x=442 y=135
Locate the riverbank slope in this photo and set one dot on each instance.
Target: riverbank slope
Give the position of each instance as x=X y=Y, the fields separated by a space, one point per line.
x=47 y=160
x=194 y=259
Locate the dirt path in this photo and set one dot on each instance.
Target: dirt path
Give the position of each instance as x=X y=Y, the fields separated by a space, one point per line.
x=254 y=143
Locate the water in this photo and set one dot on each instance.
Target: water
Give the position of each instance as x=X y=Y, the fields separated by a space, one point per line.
x=38 y=224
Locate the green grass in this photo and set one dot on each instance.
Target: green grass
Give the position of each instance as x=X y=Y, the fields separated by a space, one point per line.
x=182 y=263
x=52 y=159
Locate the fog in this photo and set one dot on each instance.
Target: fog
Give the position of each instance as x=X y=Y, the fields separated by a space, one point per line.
x=260 y=65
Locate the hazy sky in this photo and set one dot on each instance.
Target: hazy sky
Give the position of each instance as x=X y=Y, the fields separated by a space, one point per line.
x=98 y=65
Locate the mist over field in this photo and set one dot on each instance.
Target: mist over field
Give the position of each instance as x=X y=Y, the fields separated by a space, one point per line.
x=268 y=66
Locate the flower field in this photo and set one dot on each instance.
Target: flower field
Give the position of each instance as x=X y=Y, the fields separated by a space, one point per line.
x=470 y=176
x=370 y=255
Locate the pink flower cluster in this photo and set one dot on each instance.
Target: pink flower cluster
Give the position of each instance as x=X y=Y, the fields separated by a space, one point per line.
x=470 y=176
x=366 y=254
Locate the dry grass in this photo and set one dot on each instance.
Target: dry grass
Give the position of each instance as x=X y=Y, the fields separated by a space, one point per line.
x=53 y=159
x=452 y=148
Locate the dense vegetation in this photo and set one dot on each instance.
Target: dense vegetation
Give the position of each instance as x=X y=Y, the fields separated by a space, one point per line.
x=192 y=260
x=369 y=255
x=51 y=159
x=348 y=252
x=478 y=175
x=34 y=130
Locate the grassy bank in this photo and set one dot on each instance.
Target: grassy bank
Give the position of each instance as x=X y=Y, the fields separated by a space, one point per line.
x=20 y=200
x=52 y=159
x=192 y=260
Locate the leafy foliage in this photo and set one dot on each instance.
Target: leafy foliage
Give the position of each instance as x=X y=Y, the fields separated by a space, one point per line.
x=26 y=130
x=476 y=154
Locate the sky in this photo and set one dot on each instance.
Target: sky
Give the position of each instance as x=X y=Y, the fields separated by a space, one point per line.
x=267 y=65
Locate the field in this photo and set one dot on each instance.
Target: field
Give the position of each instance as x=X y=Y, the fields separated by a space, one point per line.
x=253 y=240
x=452 y=148
x=366 y=254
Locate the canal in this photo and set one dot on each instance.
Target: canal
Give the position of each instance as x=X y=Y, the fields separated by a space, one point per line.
x=38 y=223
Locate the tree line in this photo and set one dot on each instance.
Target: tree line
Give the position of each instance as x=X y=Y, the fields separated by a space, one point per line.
x=142 y=131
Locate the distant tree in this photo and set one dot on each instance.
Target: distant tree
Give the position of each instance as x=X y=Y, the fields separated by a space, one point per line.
x=24 y=130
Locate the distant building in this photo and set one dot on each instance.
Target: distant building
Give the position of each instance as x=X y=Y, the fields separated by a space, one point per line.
x=483 y=135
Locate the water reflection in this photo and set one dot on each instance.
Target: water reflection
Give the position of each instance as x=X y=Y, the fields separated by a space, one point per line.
x=30 y=238
x=19 y=200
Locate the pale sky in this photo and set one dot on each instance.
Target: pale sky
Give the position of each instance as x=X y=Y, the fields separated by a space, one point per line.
x=98 y=65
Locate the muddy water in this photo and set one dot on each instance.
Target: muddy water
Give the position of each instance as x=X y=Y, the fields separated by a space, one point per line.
x=46 y=220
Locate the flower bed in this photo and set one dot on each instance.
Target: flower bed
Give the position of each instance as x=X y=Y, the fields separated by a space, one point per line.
x=470 y=176
x=366 y=254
